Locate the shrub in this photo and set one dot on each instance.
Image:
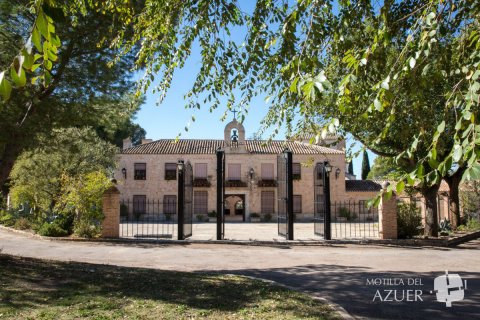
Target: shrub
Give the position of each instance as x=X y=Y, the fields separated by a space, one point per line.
x=201 y=218
x=473 y=225
x=52 y=230
x=345 y=213
x=84 y=228
x=7 y=219
x=409 y=220
x=267 y=217
x=212 y=214
x=254 y=215
x=168 y=217
x=22 y=224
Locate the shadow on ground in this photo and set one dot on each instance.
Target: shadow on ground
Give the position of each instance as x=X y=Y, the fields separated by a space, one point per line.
x=83 y=290
x=348 y=287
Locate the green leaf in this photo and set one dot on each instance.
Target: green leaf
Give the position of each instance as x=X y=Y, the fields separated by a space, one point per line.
x=388 y=195
x=412 y=62
x=457 y=153
x=47 y=78
x=410 y=180
x=28 y=59
x=385 y=83
x=441 y=127
x=475 y=171
x=319 y=86
x=5 y=87
x=293 y=86
x=36 y=38
x=35 y=67
x=476 y=75
x=19 y=79
x=378 y=105
x=430 y=18
x=42 y=24
x=400 y=187
x=420 y=171
x=433 y=163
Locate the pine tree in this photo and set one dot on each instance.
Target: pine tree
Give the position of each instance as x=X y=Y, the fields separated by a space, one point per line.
x=365 y=165
x=350 y=168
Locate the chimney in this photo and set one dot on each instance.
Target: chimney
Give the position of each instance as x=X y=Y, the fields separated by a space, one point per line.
x=146 y=141
x=127 y=143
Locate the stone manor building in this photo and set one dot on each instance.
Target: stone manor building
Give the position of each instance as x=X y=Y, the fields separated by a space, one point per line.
x=147 y=172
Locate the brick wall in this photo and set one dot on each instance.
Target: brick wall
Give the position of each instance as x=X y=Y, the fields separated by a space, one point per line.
x=387 y=218
x=111 y=211
x=155 y=186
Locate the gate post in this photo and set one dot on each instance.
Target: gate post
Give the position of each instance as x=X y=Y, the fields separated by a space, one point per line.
x=289 y=194
x=111 y=211
x=387 y=216
x=181 y=199
x=326 y=191
x=220 y=192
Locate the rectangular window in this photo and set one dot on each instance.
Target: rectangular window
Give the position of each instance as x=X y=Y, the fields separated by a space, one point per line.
x=234 y=171
x=268 y=202
x=267 y=171
x=170 y=171
x=139 y=204
x=296 y=171
x=319 y=170
x=170 y=204
x=297 y=204
x=200 y=202
x=201 y=170
x=140 y=171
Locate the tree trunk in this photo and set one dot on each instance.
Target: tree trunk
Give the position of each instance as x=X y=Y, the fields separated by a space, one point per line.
x=454 y=203
x=431 y=212
x=11 y=153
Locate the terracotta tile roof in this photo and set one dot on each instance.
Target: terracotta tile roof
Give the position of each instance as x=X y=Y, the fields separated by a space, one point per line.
x=362 y=185
x=276 y=147
x=209 y=146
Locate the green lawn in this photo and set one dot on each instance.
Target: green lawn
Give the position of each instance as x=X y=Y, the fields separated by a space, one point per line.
x=38 y=289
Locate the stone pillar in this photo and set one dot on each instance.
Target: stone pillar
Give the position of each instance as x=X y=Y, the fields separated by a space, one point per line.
x=387 y=218
x=111 y=211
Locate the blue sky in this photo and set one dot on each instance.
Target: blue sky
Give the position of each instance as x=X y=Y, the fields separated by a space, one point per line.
x=170 y=118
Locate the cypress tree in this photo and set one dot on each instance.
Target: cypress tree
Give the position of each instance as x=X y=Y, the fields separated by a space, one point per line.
x=365 y=165
x=350 y=167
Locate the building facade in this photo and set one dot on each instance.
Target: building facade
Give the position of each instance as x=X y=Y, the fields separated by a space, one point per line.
x=148 y=172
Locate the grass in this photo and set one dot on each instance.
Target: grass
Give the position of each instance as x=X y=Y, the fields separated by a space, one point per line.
x=39 y=289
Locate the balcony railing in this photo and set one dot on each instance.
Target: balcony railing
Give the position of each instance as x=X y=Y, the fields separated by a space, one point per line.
x=267 y=183
x=235 y=184
x=201 y=182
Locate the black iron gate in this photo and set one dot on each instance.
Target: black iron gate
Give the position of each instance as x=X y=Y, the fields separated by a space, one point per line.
x=220 y=194
x=185 y=200
x=322 y=207
x=319 y=201
x=285 y=195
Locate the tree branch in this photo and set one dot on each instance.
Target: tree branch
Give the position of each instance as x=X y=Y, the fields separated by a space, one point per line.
x=377 y=152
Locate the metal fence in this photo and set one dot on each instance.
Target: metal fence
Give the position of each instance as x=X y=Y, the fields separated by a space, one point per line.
x=353 y=220
x=144 y=218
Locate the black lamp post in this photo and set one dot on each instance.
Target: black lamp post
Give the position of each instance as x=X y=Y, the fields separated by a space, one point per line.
x=181 y=200
x=327 y=168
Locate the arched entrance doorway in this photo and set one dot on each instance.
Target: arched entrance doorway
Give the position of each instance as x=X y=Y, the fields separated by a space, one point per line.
x=234 y=207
